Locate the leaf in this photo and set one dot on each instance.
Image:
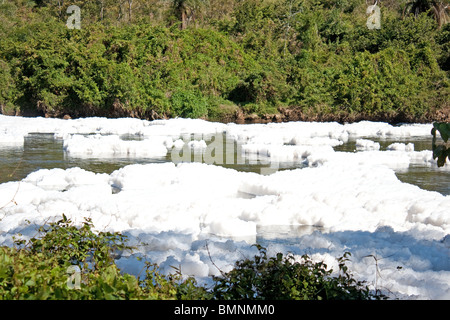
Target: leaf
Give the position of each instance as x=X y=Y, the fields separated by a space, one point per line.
x=444 y=129
x=30 y=283
x=442 y=156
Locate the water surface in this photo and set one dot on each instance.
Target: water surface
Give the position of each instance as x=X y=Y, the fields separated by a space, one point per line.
x=44 y=151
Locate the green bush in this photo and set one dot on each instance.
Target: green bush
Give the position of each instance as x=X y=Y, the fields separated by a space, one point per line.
x=37 y=268
x=443 y=39
x=189 y=104
x=40 y=269
x=281 y=277
x=259 y=55
x=7 y=89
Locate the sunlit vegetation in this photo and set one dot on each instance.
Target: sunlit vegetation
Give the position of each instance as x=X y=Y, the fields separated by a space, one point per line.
x=67 y=261
x=217 y=59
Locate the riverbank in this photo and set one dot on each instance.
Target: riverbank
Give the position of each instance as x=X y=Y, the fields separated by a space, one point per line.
x=297 y=114
x=234 y=114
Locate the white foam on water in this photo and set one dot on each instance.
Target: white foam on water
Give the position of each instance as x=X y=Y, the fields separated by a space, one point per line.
x=202 y=217
x=364 y=144
x=112 y=146
x=401 y=147
x=8 y=140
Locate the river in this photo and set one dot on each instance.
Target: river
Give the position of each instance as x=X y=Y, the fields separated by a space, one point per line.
x=188 y=193
x=44 y=151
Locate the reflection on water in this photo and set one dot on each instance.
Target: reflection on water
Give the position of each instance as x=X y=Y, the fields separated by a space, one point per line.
x=43 y=151
x=425 y=177
x=420 y=144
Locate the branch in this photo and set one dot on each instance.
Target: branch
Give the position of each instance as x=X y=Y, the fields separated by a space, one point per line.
x=210 y=258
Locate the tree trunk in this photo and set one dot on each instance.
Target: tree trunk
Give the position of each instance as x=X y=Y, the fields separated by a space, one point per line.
x=183 y=19
x=120 y=10
x=130 y=3
x=60 y=5
x=101 y=10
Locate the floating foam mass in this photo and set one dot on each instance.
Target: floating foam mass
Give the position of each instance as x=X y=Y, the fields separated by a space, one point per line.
x=201 y=217
x=364 y=144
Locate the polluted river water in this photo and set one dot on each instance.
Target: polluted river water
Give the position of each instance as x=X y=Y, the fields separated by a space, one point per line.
x=174 y=186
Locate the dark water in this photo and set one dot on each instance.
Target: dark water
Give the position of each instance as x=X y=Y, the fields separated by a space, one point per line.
x=43 y=151
x=426 y=177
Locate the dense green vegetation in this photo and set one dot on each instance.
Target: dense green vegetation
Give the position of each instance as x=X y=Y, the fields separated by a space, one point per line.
x=37 y=269
x=40 y=268
x=302 y=59
x=282 y=277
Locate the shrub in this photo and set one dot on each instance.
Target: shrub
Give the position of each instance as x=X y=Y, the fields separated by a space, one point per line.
x=443 y=38
x=38 y=268
x=281 y=277
x=259 y=55
x=189 y=104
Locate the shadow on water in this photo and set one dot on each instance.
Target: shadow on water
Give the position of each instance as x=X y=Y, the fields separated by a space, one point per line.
x=384 y=243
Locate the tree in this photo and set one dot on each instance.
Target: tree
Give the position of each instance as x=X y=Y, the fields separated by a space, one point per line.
x=102 y=9
x=439 y=9
x=186 y=10
x=130 y=6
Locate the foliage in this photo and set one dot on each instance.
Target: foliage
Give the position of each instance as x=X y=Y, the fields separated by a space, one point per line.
x=441 y=151
x=39 y=269
x=77 y=245
x=7 y=87
x=443 y=39
x=281 y=277
x=189 y=104
x=154 y=59
x=439 y=9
